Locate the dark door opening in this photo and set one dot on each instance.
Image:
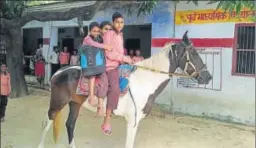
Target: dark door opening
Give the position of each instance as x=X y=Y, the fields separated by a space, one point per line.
x=132 y=44
x=39 y=41
x=68 y=42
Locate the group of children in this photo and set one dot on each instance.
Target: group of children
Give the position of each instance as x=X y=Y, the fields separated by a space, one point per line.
x=135 y=55
x=108 y=36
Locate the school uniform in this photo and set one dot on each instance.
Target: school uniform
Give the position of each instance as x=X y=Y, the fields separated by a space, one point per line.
x=102 y=81
x=113 y=60
x=5 y=91
x=74 y=60
x=54 y=59
x=64 y=59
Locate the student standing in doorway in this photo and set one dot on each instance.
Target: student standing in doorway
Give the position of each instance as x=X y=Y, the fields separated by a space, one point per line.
x=137 y=57
x=74 y=60
x=54 y=59
x=131 y=53
x=5 y=90
x=64 y=57
x=39 y=50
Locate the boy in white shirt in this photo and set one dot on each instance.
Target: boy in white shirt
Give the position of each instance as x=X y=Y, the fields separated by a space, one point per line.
x=54 y=59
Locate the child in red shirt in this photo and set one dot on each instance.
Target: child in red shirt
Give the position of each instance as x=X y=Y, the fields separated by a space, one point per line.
x=5 y=90
x=40 y=70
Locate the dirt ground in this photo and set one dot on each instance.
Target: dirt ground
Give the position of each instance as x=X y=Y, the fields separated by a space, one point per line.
x=22 y=129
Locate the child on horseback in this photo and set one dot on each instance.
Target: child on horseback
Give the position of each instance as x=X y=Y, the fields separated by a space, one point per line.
x=105 y=26
x=94 y=39
x=113 y=59
x=5 y=90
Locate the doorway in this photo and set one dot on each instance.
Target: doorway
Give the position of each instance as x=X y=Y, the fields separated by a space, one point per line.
x=68 y=42
x=138 y=37
x=132 y=44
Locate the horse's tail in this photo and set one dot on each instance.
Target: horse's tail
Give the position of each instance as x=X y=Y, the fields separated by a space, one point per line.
x=57 y=126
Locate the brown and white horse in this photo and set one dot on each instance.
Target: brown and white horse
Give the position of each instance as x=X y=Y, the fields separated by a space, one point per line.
x=137 y=103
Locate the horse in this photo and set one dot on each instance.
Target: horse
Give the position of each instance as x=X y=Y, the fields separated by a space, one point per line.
x=135 y=104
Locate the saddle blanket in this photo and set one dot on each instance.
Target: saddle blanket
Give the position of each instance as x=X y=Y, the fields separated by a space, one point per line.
x=124 y=73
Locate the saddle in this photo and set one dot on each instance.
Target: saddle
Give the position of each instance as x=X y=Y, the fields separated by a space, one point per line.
x=124 y=74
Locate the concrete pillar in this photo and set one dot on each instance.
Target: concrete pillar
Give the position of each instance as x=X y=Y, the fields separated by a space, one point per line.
x=50 y=39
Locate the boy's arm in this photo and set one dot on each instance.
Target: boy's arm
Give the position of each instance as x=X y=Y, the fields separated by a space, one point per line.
x=89 y=41
x=108 y=36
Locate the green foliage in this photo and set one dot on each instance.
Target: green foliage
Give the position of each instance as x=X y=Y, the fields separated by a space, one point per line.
x=13 y=9
x=236 y=6
x=146 y=7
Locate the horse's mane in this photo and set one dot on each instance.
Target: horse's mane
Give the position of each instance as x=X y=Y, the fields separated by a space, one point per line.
x=158 y=60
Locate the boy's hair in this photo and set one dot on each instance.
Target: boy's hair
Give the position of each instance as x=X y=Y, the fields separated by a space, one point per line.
x=104 y=23
x=116 y=15
x=93 y=24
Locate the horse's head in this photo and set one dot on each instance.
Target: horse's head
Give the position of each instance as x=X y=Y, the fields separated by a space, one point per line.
x=185 y=56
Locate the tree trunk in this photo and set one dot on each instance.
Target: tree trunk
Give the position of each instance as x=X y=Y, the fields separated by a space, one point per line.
x=15 y=62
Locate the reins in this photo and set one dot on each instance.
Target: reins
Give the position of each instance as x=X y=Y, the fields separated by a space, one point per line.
x=163 y=72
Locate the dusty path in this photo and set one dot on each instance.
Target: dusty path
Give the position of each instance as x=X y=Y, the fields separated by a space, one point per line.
x=24 y=117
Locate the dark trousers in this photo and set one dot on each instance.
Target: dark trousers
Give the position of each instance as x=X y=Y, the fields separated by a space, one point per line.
x=113 y=89
x=3 y=104
x=55 y=67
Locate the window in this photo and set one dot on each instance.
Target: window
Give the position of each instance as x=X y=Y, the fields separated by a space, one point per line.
x=244 y=50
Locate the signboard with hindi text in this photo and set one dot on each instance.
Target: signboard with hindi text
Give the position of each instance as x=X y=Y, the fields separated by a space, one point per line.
x=212 y=16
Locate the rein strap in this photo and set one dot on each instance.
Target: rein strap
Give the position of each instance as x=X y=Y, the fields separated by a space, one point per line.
x=163 y=72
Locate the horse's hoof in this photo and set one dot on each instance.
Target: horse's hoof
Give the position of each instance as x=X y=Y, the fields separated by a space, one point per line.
x=72 y=144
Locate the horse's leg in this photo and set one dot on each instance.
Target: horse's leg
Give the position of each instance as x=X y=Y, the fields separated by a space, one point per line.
x=132 y=127
x=71 y=121
x=46 y=126
x=58 y=101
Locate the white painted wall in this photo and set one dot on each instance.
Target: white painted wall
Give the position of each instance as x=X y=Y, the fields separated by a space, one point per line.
x=70 y=33
x=236 y=100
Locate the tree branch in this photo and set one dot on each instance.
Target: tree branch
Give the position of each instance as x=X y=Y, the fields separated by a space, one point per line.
x=87 y=12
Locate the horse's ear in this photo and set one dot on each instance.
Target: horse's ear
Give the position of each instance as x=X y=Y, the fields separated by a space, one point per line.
x=185 y=38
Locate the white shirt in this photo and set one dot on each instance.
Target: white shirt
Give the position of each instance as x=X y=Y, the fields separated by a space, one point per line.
x=39 y=50
x=54 y=58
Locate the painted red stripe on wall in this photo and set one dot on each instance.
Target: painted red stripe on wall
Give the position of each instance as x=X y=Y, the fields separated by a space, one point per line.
x=46 y=41
x=198 y=42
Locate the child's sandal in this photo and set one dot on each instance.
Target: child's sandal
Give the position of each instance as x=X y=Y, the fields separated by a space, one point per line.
x=106 y=129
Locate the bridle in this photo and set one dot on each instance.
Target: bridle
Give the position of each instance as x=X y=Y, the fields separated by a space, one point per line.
x=188 y=61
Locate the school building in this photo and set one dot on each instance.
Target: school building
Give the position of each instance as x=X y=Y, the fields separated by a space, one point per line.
x=225 y=42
